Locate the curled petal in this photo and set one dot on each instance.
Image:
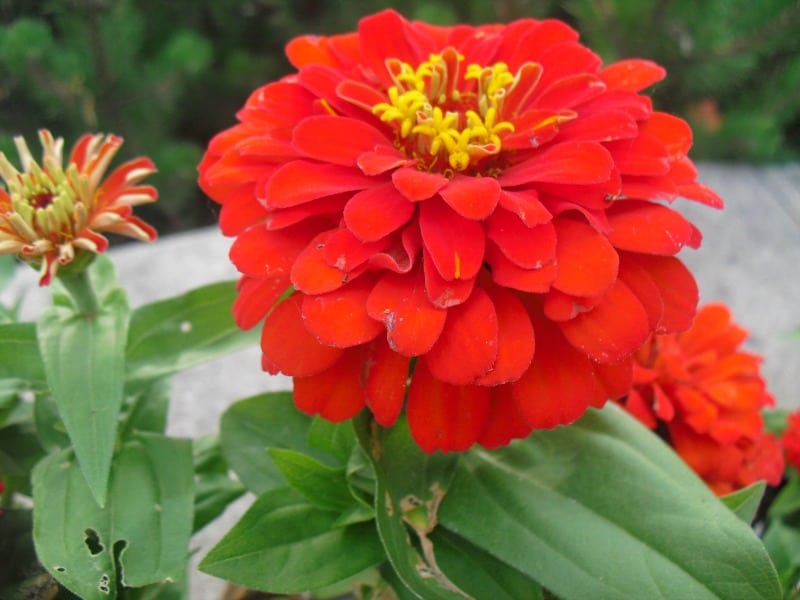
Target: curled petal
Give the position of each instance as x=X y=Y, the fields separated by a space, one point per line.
x=256 y=297
x=418 y=185
x=472 y=197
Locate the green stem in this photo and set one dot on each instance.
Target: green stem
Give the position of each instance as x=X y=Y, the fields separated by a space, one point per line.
x=82 y=293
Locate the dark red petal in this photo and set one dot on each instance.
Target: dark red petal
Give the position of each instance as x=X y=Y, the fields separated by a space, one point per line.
x=255 y=299
x=632 y=75
x=374 y=213
x=418 y=185
x=312 y=274
x=472 y=197
x=387 y=378
x=527 y=247
x=570 y=162
x=516 y=341
x=261 y=253
x=677 y=287
x=506 y=420
x=445 y=417
x=334 y=139
x=641 y=226
x=467 y=347
x=614 y=380
x=507 y=274
x=340 y=318
x=559 y=386
x=289 y=347
x=334 y=394
x=641 y=284
x=587 y=262
x=615 y=328
x=639 y=408
x=443 y=293
x=525 y=204
x=412 y=323
x=300 y=181
x=456 y=244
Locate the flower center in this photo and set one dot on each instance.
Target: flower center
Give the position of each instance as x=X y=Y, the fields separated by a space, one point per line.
x=448 y=121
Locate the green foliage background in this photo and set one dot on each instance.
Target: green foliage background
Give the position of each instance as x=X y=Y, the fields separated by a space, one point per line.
x=168 y=75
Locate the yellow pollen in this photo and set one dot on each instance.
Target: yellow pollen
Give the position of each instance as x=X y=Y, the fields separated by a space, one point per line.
x=457 y=266
x=446 y=120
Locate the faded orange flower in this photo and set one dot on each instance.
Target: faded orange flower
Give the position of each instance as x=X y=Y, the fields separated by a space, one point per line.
x=462 y=221
x=705 y=395
x=49 y=212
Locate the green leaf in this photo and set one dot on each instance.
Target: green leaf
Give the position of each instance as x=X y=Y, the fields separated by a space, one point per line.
x=145 y=527
x=409 y=485
x=337 y=439
x=323 y=486
x=49 y=425
x=19 y=353
x=8 y=267
x=214 y=489
x=782 y=540
x=744 y=502
x=85 y=365
x=283 y=544
x=252 y=425
x=174 y=334
x=787 y=502
x=478 y=572
x=146 y=408
x=603 y=509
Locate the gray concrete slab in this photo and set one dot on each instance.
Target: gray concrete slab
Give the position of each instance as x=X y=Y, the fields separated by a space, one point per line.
x=750 y=259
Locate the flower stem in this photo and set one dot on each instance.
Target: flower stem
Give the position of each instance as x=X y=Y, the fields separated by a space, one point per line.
x=82 y=293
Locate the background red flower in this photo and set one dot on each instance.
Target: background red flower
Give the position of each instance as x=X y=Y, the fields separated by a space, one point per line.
x=465 y=221
x=706 y=395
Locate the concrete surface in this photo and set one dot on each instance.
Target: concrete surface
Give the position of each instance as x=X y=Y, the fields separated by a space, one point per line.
x=750 y=259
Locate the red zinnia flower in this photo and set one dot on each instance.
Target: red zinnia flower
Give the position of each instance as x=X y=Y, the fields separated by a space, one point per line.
x=791 y=439
x=434 y=199
x=51 y=212
x=706 y=396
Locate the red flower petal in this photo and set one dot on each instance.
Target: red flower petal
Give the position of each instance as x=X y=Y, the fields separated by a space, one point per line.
x=400 y=256
x=650 y=228
x=638 y=280
x=516 y=339
x=600 y=127
x=443 y=293
x=507 y=274
x=643 y=155
x=418 y=185
x=506 y=420
x=587 y=262
x=525 y=204
x=387 y=34
x=558 y=387
x=472 y=197
x=677 y=287
x=412 y=323
x=334 y=394
x=528 y=247
x=570 y=162
x=313 y=137
x=467 y=347
x=382 y=159
x=312 y=274
x=261 y=253
x=340 y=318
x=456 y=244
x=386 y=376
x=632 y=75
x=570 y=91
x=330 y=207
x=374 y=213
x=345 y=252
x=616 y=327
x=255 y=299
x=300 y=181
x=445 y=417
x=239 y=212
x=614 y=380
x=289 y=347
x=559 y=306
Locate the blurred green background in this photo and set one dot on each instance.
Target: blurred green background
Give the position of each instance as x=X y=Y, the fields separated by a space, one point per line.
x=168 y=75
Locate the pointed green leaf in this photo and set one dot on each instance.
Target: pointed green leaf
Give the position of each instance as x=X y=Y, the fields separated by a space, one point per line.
x=744 y=502
x=336 y=439
x=174 y=334
x=283 y=544
x=85 y=365
x=146 y=524
x=323 y=486
x=409 y=485
x=603 y=509
x=19 y=353
x=787 y=502
x=252 y=425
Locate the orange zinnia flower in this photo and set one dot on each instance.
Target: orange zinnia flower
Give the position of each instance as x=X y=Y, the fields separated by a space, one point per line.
x=705 y=395
x=473 y=205
x=50 y=213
